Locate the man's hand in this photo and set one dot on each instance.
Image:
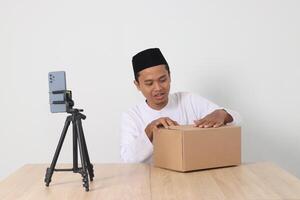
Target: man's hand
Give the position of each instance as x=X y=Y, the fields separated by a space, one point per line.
x=160 y=122
x=215 y=119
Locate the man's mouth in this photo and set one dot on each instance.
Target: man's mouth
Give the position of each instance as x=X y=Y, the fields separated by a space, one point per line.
x=159 y=95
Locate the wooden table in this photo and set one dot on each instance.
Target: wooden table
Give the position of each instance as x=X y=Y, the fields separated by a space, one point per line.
x=258 y=181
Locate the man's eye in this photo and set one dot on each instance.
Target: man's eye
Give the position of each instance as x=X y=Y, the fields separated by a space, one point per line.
x=163 y=80
x=148 y=84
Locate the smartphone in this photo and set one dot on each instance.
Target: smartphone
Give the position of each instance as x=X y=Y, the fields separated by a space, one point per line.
x=57 y=90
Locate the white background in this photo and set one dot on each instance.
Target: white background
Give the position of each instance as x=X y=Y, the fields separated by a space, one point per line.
x=244 y=55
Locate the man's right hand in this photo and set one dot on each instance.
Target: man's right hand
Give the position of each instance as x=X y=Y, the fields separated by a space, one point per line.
x=160 y=122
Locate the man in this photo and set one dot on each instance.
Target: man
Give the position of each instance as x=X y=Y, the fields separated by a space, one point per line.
x=152 y=78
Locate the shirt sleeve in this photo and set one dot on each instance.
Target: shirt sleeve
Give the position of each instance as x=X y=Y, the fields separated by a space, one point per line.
x=135 y=145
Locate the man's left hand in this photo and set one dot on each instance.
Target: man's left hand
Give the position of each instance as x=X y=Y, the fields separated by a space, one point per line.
x=215 y=119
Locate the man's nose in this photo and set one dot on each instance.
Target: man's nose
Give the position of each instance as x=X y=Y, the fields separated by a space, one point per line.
x=157 y=86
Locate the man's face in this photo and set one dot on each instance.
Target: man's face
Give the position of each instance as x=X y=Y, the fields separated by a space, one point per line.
x=154 y=83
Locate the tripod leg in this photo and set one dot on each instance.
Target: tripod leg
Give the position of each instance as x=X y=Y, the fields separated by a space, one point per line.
x=75 y=146
x=89 y=165
x=84 y=173
x=49 y=171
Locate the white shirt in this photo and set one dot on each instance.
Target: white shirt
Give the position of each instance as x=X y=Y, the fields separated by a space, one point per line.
x=182 y=107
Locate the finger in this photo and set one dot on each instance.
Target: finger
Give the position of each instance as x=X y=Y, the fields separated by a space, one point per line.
x=170 y=122
x=173 y=123
x=164 y=123
x=201 y=123
x=197 y=122
x=158 y=124
x=219 y=124
x=209 y=124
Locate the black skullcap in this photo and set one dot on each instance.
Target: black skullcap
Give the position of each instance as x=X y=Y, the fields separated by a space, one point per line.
x=147 y=58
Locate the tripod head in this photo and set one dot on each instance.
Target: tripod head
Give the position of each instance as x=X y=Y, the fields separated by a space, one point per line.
x=69 y=103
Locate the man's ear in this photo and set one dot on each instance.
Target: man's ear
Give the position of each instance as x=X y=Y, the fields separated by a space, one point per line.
x=137 y=84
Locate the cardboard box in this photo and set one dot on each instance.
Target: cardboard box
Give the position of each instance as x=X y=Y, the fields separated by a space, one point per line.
x=187 y=148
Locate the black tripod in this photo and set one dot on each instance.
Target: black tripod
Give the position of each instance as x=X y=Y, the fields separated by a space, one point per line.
x=86 y=168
